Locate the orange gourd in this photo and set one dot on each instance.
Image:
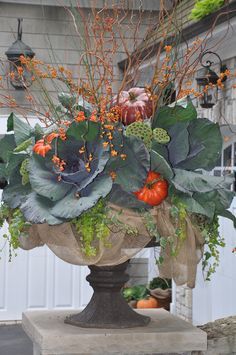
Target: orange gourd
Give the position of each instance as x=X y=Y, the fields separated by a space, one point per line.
x=149 y=302
x=154 y=191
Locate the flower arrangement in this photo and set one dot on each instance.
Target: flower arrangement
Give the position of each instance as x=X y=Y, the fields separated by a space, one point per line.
x=114 y=170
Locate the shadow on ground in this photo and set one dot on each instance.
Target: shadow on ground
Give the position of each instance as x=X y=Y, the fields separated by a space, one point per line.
x=14 y=341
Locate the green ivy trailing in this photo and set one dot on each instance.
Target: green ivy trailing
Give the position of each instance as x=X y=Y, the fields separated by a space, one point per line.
x=202 y=8
x=17 y=227
x=97 y=224
x=178 y=213
x=213 y=241
x=90 y=225
x=151 y=225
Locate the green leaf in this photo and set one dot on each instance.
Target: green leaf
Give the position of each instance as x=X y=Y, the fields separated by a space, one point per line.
x=14 y=161
x=125 y=199
x=10 y=124
x=7 y=144
x=131 y=172
x=38 y=131
x=160 y=149
x=93 y=131
x=207 y=208
x=205 y=145
x=167 y=116
x=44 y=181
x=67 y=100
x=189 y=181
x=160 y=165
x=83 y=105
x=229 y=215
x=22 y=130
x=179 y=144
x=221 y=199
x=72 y=206
x=85 y=130
x=24 y=145
x=3 y=173
x=37 y=209
x=15 y=193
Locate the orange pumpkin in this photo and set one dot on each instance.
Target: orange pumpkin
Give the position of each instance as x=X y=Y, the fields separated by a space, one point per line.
x=154 y=191
x=149 y=302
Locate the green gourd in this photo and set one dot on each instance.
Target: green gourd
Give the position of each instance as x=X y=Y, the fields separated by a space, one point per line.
x=142 y=131
x=161 y=136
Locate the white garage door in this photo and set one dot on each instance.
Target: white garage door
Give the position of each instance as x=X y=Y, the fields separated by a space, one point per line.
x=39 y=280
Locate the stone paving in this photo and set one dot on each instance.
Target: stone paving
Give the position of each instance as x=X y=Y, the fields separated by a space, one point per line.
x=14 y=341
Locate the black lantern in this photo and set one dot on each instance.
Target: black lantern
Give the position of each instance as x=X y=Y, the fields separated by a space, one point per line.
x=207 y=81
x=20 y=79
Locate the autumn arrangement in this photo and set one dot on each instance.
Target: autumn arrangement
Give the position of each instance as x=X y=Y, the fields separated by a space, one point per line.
x=104 y=171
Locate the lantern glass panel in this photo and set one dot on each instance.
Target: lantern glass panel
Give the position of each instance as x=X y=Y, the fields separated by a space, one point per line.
x=209 y=96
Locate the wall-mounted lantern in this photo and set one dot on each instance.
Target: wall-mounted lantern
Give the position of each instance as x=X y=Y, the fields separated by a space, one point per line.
x=207 y=81
x=19 y=79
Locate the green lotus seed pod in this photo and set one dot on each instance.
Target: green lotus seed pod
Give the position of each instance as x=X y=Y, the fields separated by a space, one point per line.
x=24 y=171
x=142 y=131
x=161 y=136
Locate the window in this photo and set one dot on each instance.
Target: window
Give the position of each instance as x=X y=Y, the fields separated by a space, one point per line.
x=227 y=163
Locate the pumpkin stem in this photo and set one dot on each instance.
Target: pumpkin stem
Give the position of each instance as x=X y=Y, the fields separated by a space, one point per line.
x=151 y=183
x=132 y=96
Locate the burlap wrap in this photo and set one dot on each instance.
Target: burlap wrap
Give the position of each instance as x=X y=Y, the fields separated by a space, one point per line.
x=182 y=266
x=120 y=246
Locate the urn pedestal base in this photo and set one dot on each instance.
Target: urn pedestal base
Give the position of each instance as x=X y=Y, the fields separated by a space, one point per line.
x=107 y=307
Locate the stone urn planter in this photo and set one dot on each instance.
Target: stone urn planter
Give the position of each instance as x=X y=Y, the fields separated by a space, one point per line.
x=107 y=307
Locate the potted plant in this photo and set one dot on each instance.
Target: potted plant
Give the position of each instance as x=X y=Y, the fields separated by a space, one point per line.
x=156 y=295
x=160 y=288
x=103 y=174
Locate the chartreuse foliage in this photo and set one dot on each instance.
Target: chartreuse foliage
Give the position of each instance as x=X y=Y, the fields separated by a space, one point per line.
x=18 y=226
x=213 y=240
x=92 y=225
x=202 y=8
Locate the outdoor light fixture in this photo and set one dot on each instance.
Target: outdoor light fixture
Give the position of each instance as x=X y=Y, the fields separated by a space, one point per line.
x=207 y=81
x=18 y=48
